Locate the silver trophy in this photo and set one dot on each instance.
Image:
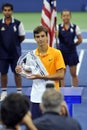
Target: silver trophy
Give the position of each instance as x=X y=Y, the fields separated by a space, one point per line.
x=31 y=64
x=26 y=69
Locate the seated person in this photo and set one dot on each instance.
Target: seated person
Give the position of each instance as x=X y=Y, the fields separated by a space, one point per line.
x=15 y=111
x=55 y=112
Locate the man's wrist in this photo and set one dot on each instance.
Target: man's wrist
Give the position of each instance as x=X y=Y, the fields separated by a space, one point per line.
x=77 y=43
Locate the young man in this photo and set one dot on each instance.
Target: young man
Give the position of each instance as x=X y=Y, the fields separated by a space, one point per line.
x=67 y=32
x=15 y=111
x=54 y=113
x=11 y=35
x=45 y=63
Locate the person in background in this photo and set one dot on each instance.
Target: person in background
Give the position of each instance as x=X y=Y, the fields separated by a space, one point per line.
x=11 y=35
x=55 y=113
x=15 y=112
x=45 y=63
x=67 y=32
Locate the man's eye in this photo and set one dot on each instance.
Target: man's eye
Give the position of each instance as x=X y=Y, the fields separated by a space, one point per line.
x=37 y=36
x=42 y=35
x=7 y=9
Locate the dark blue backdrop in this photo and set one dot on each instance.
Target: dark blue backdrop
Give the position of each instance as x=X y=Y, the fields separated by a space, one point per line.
x=36 y=5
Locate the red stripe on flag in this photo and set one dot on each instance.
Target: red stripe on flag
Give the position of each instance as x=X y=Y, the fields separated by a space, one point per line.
x=50 y=13
x=47 y=13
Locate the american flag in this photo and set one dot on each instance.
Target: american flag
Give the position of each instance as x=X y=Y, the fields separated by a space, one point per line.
x=48 y=18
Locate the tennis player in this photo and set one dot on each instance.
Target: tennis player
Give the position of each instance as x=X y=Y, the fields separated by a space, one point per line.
x=46 y=63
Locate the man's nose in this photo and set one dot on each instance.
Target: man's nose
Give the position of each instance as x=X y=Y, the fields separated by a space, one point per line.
x=40 y=37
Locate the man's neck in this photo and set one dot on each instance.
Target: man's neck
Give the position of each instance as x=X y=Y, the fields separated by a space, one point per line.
x=43 y=49
x=8 y=20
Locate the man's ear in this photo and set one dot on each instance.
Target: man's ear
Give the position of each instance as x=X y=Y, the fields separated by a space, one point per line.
x=64 y=109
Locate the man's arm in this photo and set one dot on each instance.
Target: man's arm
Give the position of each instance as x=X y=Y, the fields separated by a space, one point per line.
x=21 y=38
x=21 y=32
x=57 y=76
x=27 y=121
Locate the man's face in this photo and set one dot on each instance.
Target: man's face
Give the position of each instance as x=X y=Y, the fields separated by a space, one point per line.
x=41 y=38
x=66 y=16
x=7 y=12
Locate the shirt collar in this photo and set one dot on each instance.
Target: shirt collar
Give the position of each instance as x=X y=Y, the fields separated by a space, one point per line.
x=3 y=20
x=70 y=25
x=48 y=51
x=52 y=113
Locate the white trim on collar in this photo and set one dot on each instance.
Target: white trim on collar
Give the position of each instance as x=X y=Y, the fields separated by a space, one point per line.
x=3 y=20
x=70 y=24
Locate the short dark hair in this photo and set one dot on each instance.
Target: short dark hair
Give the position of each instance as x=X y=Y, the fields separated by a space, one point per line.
x=7 y=5
x=66 y=10
x=13 y=109
x=39 y=29
x=50 y=84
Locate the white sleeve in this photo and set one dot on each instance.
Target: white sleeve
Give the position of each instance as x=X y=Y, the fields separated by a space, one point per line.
x=78 y=31
x=57 y=26
x=21 y=30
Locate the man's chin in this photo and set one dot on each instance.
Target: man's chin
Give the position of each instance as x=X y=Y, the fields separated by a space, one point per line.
x=8 y=17
x=41 y=44
x=66 y=21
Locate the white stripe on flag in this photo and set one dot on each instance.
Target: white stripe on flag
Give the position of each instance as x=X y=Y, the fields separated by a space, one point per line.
x=48 y=16
x=47 y=5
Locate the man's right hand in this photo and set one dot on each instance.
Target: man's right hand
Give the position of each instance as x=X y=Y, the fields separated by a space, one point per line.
x=18 y=69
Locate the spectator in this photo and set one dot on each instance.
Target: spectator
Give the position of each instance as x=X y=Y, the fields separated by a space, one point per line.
x=11 y=35
x=55 y=116
x=15 y=111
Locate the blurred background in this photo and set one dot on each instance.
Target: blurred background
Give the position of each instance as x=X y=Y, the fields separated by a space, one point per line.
x=36 y=5
x=29 y=12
